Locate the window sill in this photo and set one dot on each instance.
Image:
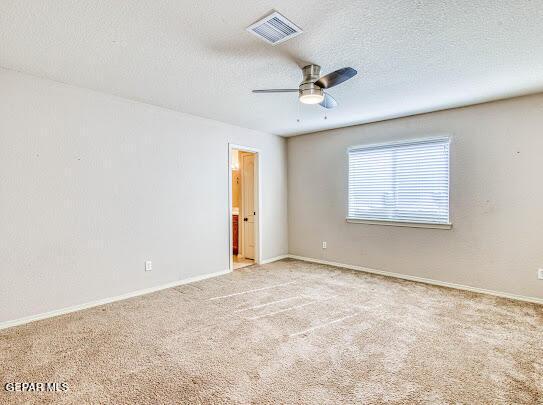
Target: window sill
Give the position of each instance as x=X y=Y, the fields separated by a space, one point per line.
x=399 y=223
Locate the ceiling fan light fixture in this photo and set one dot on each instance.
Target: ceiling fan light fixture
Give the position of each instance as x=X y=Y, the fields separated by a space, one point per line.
x=311 y=98
x=312 y=95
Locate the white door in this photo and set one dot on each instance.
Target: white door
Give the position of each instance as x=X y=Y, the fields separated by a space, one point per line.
x=248 y=204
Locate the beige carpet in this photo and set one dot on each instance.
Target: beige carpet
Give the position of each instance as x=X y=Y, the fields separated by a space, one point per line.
x=286 y=332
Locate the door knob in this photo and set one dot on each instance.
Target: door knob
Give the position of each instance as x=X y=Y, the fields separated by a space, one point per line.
x=245 y=219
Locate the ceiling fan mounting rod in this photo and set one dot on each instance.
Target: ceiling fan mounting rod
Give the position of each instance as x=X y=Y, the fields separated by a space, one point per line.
x=311 y=73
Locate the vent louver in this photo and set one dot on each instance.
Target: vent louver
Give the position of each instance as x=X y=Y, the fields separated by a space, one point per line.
x=274 y=29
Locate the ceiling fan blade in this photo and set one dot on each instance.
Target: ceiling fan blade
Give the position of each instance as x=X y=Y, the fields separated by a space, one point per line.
x=328 y=102
x=277 y=91
x=335 y=78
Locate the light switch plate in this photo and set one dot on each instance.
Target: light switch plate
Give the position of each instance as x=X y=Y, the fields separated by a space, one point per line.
x=148 y=265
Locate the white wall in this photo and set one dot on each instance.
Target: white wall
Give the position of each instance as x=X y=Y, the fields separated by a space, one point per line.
x=496 y=199
x=93 y=185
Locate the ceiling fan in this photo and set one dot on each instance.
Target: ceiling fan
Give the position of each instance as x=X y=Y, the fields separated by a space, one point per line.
x=311 y=89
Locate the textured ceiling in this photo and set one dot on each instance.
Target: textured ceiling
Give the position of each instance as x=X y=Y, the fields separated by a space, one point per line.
x=196 y=57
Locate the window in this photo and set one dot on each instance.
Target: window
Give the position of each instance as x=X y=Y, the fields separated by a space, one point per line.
x=402 y=183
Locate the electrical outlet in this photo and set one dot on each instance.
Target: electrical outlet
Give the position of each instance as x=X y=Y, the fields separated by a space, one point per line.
x=148 y=265
x=540 y=274
x=324 y=245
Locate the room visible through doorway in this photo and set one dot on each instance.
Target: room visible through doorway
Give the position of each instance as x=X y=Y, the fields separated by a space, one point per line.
x=244 y=207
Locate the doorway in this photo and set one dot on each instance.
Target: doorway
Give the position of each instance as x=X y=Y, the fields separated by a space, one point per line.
x=244 y=175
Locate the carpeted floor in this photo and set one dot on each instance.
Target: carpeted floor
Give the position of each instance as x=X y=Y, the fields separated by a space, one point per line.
x=286 y=332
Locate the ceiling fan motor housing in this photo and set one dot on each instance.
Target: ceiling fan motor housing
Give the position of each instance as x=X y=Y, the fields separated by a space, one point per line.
x=308 y=88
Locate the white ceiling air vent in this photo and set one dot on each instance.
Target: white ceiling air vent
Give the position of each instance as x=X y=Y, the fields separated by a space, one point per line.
x=274 y=29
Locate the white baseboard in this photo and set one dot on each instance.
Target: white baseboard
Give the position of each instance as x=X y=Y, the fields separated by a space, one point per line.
x=422 y=280
x=62 y=311
x=274 y=259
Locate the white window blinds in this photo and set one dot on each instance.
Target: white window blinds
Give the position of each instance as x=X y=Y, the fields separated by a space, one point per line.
x=400 y=182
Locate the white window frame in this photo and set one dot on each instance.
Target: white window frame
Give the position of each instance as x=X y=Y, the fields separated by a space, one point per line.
x=396 y=222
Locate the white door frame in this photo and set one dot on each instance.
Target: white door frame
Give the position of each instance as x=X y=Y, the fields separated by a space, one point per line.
x=258 y=202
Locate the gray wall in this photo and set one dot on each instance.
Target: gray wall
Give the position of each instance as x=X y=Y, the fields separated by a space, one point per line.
x=496 y=199
x=92 y=185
